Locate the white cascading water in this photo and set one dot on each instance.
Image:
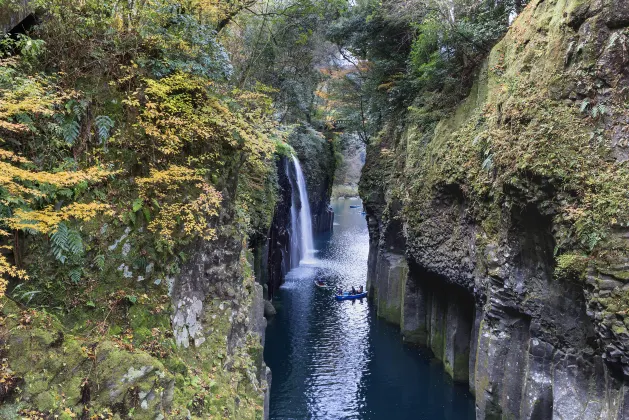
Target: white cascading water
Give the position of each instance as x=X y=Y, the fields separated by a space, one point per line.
x=294 y=222
x=306 y=248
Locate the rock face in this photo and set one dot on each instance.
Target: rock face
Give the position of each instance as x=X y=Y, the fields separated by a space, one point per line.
x=474 y=263
x=12 y=15
x=279 y=235
x=170 y=362
x=317 y=159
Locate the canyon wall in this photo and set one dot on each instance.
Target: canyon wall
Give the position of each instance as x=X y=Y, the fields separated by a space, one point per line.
x=171 y=345
x=498 y=235
x=280 y=233
x=316 y=155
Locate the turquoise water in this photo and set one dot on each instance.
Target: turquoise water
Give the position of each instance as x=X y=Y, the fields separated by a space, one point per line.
x=336 y=360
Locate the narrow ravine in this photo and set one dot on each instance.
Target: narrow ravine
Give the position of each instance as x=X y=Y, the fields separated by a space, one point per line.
x=334 y=360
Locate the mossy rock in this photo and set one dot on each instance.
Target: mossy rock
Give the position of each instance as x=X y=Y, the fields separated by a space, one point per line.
x=56 y=368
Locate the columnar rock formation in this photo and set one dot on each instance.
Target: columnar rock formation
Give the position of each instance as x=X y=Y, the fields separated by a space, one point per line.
x=468 y=220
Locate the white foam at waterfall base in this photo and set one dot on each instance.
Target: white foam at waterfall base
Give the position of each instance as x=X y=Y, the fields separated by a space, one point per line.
x=305 y=218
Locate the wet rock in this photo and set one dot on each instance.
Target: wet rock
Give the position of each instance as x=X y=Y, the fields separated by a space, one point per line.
x=269 y=309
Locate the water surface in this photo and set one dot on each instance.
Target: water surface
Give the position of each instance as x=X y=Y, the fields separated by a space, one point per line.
x=336 y=360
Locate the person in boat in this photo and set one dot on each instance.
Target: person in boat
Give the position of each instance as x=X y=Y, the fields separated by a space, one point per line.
x=353 y=290
x=360 y=290
x=340 y=292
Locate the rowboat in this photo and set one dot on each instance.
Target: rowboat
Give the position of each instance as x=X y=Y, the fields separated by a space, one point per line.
x=347 y=296
x=316 y=282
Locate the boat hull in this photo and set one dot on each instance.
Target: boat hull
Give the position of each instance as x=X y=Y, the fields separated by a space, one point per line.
x=351 y=297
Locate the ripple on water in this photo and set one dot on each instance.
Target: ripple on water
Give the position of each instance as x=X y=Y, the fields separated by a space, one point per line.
x=334 y=360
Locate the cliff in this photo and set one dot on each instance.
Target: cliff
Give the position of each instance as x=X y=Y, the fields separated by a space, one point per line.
x=181 y=345
x=498 y=234
x=129 y=196
x=280 y=233
x=317 y=156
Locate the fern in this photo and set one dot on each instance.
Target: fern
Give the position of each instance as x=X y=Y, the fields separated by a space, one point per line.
x=488 y=163
x=66 y=242
x=598 y=111
x=71 y=130
x=99 y=260
x=75 y=243
x=104 y=124
x=75 y=275
x=58 y=241
x=140 y=263
x=77 y=108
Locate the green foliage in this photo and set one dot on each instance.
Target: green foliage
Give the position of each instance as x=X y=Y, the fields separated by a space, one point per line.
x=281 y=44
x=99 y=261
x=571 y=267
x=66 y=243
x=182 y=43
x=284 y=149
x=104 y=125
x=366 y=32
x=417 y=54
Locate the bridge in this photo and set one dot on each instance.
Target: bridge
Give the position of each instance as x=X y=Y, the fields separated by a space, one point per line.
x=333 y=125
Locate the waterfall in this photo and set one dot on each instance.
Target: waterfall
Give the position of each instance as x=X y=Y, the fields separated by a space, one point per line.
x=294 y=222
x=302 y=247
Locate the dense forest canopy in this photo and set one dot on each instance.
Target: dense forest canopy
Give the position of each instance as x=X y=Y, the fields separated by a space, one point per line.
x=172 y=93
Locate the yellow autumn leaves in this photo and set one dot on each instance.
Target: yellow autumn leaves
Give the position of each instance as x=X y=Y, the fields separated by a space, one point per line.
x=166 y=191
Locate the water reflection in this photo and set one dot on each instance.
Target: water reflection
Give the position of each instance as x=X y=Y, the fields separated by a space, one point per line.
x=335 y=360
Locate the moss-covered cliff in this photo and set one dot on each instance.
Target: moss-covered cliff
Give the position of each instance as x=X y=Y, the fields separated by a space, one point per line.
x=133 y=176
x=499 y=232
x=317 y=154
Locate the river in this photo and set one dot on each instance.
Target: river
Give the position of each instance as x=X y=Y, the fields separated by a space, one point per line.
x=336 y=360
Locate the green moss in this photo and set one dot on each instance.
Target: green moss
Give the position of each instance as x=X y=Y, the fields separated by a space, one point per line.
x=437 y=342
x=391 y=313
x=45 y=401
x=417 y=336
x=619 y=329
x=461 y=371
x=618 y=274
x=571 y=267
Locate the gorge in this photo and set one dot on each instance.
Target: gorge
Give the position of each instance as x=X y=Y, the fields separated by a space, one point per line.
x=166 y=204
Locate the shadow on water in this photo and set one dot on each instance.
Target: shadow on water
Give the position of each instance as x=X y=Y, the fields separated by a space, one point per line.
x=337 y=360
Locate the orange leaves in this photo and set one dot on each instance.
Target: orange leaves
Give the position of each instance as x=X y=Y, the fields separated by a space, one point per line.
x=10 y=173
x=25 y=95
x=160 y=184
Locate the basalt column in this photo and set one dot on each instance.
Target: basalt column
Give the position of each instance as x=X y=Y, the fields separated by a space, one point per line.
x=440 y=316
x=279 y=235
